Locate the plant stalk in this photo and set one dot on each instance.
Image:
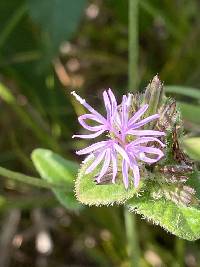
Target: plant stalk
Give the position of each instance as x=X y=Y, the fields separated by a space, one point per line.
x=180 y=251
x=133 y=51
x=37 y=182
x=132 y=238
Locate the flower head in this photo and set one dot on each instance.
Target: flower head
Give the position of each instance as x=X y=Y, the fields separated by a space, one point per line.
x=128 y=142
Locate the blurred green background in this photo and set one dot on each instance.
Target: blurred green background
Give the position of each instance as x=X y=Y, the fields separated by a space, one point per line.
x=49 y=48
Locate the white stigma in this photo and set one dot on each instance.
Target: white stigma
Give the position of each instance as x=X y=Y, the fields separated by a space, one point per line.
x=142 y=155
x=129 y=99
x=78 y=97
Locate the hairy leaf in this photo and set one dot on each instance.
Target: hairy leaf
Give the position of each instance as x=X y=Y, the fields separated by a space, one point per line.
x=56 y=169
x=90 y=193
x=179 y=220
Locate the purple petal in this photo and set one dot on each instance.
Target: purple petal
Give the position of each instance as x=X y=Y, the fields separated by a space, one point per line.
x=145 y=132
x=122 y=152
x=137 y=115
x=107 y=105
x=113 y=101
x=92 y=148
x=114 y=165
x=88 y=136
x=142 y=140
x=92 y=117
x=135 y=169
x=125 y=173
x=96 y=162
x=149 y=150
x=88 y=107
x=144 y=121
x=124 y=112
x=136 y=174
x=105 y=166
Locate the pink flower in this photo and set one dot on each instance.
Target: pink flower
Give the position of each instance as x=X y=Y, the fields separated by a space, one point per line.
x=118 y=147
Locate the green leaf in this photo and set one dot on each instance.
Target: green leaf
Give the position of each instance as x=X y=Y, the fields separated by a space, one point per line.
x=190 y=112
x=56 y=169
x=89 y=193
x=192 y=146
x=58 y=19
x=183 y=90
x=181 y=221
x=194 y=182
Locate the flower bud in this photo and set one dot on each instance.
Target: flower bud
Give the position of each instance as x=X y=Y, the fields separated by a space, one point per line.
x=153 y=97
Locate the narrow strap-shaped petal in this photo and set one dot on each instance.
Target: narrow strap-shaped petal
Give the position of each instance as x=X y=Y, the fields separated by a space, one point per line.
x=88 y=107
x=136 y=174
x=88 y=136
x=92 y=117
x=144 y=121
x=113 y=101
x=149 y=150
x=96 y=162
x=92 y=148
x=105 y=166
x=137 y=115
x=124 y=118
x=124 y=111
x=145 y=132
x=122 y=152
x=125 y=173
x=142 y=140
x=114 y=165
x=135 y=168
x=107 y=105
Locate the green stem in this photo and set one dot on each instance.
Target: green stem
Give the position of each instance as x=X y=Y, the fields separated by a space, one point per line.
x=28 y=179
x=132 y=238
x=133 y=49
x=180 y=251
